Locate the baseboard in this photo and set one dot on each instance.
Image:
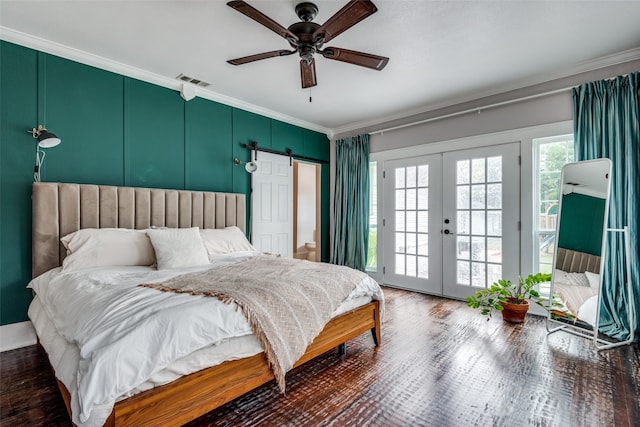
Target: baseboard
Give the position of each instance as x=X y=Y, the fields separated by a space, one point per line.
x=17 y=335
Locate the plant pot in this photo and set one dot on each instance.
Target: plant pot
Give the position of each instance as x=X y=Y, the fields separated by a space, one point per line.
x=515 y=312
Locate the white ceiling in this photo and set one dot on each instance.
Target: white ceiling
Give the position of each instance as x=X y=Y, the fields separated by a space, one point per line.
x=441 y=52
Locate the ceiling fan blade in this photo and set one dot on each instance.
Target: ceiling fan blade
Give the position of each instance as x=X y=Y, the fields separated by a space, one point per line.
x=261 y=18
x=259 y=56
x=308 y=73
x=368 y=60
x=352 y=13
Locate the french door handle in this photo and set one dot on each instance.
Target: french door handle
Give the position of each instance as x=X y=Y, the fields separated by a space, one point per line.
x=446 y=231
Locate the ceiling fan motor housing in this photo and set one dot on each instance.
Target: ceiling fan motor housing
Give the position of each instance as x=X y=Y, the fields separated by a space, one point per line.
x=305 y=44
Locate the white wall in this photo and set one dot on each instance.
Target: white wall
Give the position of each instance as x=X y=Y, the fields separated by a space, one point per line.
x=549 y=109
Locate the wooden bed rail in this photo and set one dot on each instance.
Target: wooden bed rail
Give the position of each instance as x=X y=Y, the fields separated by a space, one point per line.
x=194 y=395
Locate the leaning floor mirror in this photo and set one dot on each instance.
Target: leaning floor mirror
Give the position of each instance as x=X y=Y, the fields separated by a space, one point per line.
x=580 y=241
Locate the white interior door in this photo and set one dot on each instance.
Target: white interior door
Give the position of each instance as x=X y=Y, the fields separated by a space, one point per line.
x=272 y=204
x=481 y=214
x=412 y=250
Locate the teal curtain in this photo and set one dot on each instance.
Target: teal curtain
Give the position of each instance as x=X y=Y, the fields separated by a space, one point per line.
x=351 y=202
x=607 y=124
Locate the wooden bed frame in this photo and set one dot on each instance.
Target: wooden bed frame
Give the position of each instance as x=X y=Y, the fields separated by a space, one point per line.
x=59 y=209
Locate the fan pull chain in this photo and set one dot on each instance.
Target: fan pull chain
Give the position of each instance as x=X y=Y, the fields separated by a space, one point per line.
x=310 y=95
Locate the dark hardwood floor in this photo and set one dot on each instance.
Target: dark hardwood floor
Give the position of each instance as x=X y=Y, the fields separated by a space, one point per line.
x=440 y=364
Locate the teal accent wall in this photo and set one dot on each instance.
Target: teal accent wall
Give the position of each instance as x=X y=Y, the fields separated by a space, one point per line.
x=581 y=223
x=116 y=130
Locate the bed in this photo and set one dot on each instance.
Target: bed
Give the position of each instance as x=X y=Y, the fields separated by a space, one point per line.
x=576 y=282
x=61 y=209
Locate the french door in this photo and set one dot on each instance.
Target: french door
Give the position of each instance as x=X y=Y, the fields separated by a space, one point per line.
x=412 y=217
x=451 y=220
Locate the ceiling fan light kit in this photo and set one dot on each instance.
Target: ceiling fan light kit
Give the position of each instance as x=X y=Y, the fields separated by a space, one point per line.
x=307 y=37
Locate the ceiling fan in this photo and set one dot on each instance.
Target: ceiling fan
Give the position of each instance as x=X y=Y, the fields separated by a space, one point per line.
x=307 y=38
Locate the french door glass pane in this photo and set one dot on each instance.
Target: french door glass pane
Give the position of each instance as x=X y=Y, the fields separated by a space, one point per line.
x=400 y=195
x=423 y=176
x=411 y=266
x=494 y=196
x=411 y=198
x=400 y=178
x=494 y=273
x=477 y=171
x=400 y=264
x=478 y=278
x=423 y=267
x=423 y=244
x=423 y=221
x=478 y=196
x=462 y=172
x=494 y=249
x=411 y=221
x=411 y=177
x=477 y=222
x=423 y=198
x=478 y=249
x=411 y=243
x=494 y=169
x=400 y=242
x=463 y=197
x=494 y=223
x=463 y=247
x=464 y=227
x=463 y=273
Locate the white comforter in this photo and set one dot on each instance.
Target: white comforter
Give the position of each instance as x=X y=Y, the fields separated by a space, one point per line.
x=126 y=333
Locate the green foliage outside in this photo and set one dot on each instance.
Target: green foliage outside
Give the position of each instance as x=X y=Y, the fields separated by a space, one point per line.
x=552 y=157
x=372 y=255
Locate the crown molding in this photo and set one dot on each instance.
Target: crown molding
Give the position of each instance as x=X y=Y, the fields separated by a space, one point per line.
x=87 y=58
x=577 y=69
x=83 y=57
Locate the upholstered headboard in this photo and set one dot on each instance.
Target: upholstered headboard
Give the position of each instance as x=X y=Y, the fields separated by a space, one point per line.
x=577 y=262
x=60 y=209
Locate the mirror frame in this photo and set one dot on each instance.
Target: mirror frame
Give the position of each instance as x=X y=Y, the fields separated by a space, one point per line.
x=554 y=325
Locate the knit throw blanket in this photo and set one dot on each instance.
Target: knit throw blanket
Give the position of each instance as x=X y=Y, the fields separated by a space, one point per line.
x=286 y=301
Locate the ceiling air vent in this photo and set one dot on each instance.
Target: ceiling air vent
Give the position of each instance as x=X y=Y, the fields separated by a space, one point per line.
x=192 y=80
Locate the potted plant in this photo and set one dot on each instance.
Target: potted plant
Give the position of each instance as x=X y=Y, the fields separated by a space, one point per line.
x=511 y=299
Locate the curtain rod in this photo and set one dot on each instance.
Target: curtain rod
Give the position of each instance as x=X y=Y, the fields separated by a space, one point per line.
x=486 y=107
x=289 y=153
x=472 y=110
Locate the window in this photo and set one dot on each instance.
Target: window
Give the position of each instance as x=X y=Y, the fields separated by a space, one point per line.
x=372 y=254
x=550 y=155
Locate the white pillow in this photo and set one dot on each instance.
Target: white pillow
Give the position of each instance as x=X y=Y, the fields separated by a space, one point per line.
x=225 y=240
x=99 y=247
x=593 y=279
x=178 y=247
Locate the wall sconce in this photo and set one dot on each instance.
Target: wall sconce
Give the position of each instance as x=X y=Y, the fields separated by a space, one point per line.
x=45 y=139
x=250 y=167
